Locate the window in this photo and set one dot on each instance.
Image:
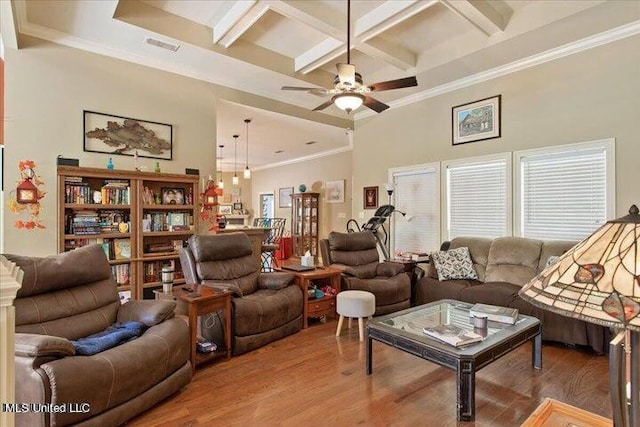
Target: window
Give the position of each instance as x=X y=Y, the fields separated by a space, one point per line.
x=478 y=201
x=565 y=192
x=417 y=194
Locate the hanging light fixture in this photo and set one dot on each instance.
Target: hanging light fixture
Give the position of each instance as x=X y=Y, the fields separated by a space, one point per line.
x=247 y=171
x=220 y=182
x=235 y=180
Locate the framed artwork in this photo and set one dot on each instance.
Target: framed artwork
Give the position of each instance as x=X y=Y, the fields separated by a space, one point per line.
x=104 y=133
x=225 y=209
x=370 y=197
x=476 y=121
x=237 y=206
x=235 y=191
x=285 y=197
x=173 y=196
x=335 y=191
x=226 y=198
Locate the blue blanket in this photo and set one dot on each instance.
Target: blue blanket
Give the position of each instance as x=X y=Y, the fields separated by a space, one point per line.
x=114 y=335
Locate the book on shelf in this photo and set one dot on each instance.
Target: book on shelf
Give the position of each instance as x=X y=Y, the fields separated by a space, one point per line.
x=453 y=335
x=495 y=313
x=122 y=248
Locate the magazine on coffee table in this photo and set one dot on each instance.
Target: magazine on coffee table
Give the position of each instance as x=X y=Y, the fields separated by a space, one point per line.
x=495 y=313
x=452 y=334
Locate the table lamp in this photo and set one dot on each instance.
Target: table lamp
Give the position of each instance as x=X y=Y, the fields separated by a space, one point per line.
x=598 y=281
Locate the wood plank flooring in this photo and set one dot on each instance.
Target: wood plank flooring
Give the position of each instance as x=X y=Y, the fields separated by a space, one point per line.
x=313 y=378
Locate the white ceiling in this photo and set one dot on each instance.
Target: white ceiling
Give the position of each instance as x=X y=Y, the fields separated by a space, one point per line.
x=257 y=46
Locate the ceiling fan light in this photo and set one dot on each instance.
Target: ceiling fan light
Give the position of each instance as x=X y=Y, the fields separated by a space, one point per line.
x=348 y=101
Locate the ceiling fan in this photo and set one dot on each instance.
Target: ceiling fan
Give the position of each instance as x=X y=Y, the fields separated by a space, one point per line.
x=349 y=92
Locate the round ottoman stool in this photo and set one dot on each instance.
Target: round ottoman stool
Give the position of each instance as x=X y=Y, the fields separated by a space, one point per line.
x=355 y=304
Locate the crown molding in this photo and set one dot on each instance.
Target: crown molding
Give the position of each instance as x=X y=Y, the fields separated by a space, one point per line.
x=578 y=46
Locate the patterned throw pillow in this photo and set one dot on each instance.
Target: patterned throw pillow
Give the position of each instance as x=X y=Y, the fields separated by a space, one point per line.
x=454 y=264
x=551 y=260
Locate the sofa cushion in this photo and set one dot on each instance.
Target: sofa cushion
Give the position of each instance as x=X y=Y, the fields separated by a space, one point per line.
x=478 y=249
x=430 y=289
x=513 y=260
x=494 y=293
x=265 y=310
x=454 y=264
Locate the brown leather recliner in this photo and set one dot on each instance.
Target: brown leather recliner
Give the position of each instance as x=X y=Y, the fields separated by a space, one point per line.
x=265 y=306
x=73 y=295
x=357 y=256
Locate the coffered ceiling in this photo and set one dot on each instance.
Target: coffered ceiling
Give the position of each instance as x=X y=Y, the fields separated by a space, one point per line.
x=257 y=46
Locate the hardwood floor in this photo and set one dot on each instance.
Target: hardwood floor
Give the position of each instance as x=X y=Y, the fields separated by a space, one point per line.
x=313 y=378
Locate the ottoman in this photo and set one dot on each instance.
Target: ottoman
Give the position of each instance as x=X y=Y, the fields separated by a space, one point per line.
x=355 y=304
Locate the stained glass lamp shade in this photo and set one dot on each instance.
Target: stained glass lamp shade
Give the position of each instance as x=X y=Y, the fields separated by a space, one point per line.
x=598 y=281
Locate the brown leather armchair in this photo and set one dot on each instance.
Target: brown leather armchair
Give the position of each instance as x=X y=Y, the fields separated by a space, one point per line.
x=72 y=295
x=265 y=306
x=357 y=256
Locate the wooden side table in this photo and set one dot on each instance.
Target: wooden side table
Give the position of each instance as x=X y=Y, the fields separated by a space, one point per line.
x=325 y=306
x=198 y=300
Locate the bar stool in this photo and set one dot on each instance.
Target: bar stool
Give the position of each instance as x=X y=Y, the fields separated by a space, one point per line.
x=355 y=304
x=271 y=242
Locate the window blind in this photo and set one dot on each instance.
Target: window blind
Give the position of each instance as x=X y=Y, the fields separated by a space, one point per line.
x=416 y=194
x=563 y=194
x=477 y=199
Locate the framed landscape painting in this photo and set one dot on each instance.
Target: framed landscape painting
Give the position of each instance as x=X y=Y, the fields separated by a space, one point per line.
x=284 y=199
x=335 y=191
x=476 y=121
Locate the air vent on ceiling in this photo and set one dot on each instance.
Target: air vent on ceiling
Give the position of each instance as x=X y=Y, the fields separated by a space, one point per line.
x=164 y=45
x=311 y=142
x=279 y=151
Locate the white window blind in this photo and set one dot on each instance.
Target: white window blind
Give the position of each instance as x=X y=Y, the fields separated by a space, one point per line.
x=564 y=193
x=477 y=199
x=417 y=194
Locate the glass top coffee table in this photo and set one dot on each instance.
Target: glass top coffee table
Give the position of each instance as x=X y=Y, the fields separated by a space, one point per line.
x=403 y=330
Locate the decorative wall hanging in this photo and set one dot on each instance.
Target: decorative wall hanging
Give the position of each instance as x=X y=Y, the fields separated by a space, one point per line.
x=105 y=133
x=285 y=197
x=370 y=197
x=25 y=199
x=476 y=121
x=335 y=191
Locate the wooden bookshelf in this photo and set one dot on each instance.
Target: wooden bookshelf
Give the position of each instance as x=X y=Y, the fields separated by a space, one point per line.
x=124 y=211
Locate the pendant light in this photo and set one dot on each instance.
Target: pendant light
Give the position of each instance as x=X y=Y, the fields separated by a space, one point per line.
x=247 y=171
x=235 y=180
x=220 y=182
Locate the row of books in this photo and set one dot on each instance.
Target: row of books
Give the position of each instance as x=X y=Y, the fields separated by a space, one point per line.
x=167 y=221
x=120 y=273
x=114 y=249
x=96 y=222
x=113 y=192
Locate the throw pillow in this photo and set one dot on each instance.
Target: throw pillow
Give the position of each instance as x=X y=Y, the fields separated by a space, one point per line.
x=551 y=260
x=454 y=264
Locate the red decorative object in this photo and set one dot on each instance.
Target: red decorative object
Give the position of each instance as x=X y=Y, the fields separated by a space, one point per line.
x=208 y=212
x=27 y=192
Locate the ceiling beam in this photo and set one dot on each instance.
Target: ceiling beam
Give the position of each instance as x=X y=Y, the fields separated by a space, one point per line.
x=243 y=22
x=385 y=16
x=480 y=14
x=232 y=17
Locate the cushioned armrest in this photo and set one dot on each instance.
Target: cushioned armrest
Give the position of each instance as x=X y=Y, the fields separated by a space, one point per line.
x=146 y=311
x=389 y=269
x=366 y=271
x=33 y=345
x=275 y=280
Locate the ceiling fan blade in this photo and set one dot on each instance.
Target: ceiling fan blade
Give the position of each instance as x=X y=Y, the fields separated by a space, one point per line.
x=347 y=74
x=312 y=90
x=323 y=106
x=374 y=104
x=395 y=84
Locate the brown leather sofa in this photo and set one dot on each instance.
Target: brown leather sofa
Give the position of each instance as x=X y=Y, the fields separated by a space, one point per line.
x=72 y=295
x=503 y=266
x=265 y=306
x=357 y=256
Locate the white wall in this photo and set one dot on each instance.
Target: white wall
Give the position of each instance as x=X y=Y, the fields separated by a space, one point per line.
x=591 y=95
